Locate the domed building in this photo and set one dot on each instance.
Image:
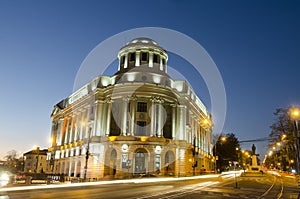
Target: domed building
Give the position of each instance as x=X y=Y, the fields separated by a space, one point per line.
x=137 y=121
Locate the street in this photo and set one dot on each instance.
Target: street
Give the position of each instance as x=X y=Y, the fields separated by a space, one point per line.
x=210 y=186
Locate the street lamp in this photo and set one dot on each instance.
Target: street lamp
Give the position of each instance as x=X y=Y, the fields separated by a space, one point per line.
x=295 y=114
x=87 y=154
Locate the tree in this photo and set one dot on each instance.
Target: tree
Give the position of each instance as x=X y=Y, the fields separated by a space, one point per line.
x=226 y=150
x=13 y=163
x=282 y=131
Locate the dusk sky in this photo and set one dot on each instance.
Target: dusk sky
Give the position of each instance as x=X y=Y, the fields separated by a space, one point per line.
x=255 y=45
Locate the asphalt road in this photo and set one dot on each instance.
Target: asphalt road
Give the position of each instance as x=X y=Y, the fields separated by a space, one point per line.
x=249 y=186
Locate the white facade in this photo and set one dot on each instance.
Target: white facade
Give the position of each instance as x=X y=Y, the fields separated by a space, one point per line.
x=137 y=121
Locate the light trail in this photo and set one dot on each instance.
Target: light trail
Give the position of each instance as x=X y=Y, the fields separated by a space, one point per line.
x=148 y=180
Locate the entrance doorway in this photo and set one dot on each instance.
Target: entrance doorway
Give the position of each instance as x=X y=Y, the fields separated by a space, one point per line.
x=140 y=163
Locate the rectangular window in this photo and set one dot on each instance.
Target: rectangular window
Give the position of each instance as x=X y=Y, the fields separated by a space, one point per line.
x=155 y=58
x=124 y=161
x=132 y=57
x=157 y=163
x=144 y=56
x=142 y=107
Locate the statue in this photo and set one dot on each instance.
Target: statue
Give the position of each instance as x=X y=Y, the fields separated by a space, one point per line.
x=253 y=149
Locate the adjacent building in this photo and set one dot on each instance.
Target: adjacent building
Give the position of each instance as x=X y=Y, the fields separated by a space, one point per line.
x=35 y=161
x=135 y=122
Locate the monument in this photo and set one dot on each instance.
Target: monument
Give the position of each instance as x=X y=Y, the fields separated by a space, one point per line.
x=254 y=167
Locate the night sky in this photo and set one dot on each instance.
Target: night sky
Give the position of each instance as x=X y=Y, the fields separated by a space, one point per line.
x=255 y=45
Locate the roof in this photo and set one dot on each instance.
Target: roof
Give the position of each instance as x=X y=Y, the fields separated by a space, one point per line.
x=37 y=152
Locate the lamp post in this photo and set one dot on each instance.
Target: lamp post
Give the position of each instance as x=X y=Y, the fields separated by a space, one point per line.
x=295 y=114
x=87 y=154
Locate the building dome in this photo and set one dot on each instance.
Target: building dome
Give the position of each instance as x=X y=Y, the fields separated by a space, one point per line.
x=144 y=53
x=143 y=41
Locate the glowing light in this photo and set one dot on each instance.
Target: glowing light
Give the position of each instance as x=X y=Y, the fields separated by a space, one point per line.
x=112 y=138
x=131 y=77
x=4 y=178
x=223 y=139
x=104 y=81
x=156 y=79
x=144 y=139
x=295 y=113
x=278 y=144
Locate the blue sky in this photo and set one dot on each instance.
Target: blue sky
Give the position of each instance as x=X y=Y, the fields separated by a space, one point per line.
x=255 y=44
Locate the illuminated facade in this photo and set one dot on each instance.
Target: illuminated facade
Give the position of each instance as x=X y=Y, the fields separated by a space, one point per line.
x=138 y=121
x=35 y=161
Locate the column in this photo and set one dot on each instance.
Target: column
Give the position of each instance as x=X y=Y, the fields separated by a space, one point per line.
x=132 y=115
x=137 y=58
x=71 y=129
x=63 y=131
x=124 y=116
x=126 y=61
x=88 y=112
x=76 y=137
x=181 y=120
x=161 y=67
x=160 y=118
x=108 y=117
x=59 y=131
x=81 y=121
x=67 y=131
x=173 y=121
x=98 y=118
x=104 y=119
x=151 y=59
x=192 y=127
x=153 y=121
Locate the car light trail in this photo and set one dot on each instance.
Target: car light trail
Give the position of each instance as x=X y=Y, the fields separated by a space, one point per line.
x=21 y=188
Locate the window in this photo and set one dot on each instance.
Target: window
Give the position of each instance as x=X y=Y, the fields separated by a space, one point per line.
x=164 y=62
x=141 y=128
x=144 y=78
x=132 y=57
x=142 y=107
x=155 y=58
x=144 y=56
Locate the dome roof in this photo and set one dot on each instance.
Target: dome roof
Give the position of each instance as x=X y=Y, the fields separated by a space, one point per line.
x=142 y=42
